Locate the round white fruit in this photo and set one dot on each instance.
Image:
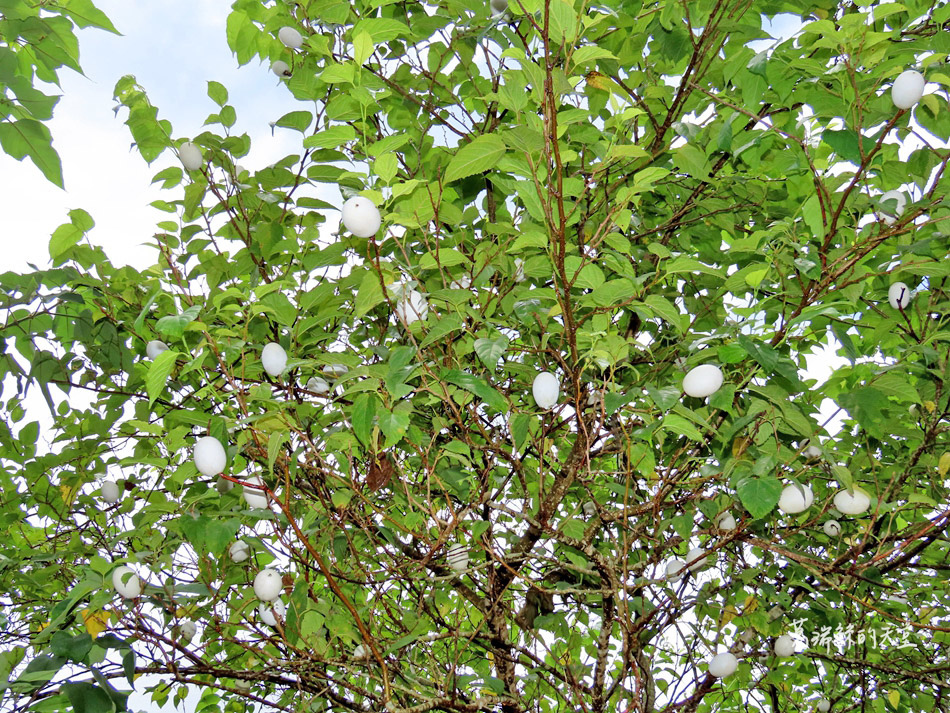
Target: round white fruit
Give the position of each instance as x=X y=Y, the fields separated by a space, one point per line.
x=908 y=89
x=126 y=582
x=411 y=306
x=722 y=665
x=272 y=612
x=545 y=390
x=852 y=503
x=154 y=348
x=812 y=452
x=702 y=381
x=898 y=295
x=210 y=456
x=187 y=630
x=110 y=491
x=280 y=68
x=823 y=705
x=457 y=557
x=239 y=551
x=318 y=385
x=698 y=554
x=890 y=215
x=223 y=485
x=725 y=521
x=273 y=359
x=190 y=156
x=784 y=646
x=832 y=528
x=589 y=508
x=255 y=497
x=290 y=37
x=675 y=569
x=268 y=584
x=361 y=217
x=795 y=499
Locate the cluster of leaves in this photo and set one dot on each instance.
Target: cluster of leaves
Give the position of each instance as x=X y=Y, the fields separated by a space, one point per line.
x=37 y=39
x=612 y=192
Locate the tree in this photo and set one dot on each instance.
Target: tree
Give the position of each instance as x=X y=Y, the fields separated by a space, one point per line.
x=611 y=193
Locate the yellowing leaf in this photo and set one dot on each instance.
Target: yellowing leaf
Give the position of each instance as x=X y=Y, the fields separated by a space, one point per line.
x=930 y=406
x=96 y=622
x=943 y=465
x=894 y=697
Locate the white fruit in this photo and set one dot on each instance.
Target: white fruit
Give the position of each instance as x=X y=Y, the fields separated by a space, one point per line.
x=317 y=385
x=239 y=551
x=784 y=646
x=457 y=557
x=190 y=156
x=280 y=68
x=725 y=521
x=242 y=685
x=255 y=497
x=698 y=554
x=154 y=348
x=361 y=217
x=110 y=491
x=498 y=6
x=411 y=306
x=126 y=582
x=812 y=452
x=795 y=499
x=908 y=89
x=832 y=528
x=891 y=216
x=722 y=665
x=210 y=456
x=702 y=381
x=823 y=706
x=274 y=359
x=852 y=504
x=224 y=485
x=590 y=508
x=545 y=389
x=519 y=270
x=187 y=630
x=360 y=652
x=272 y=612
x=290 y=37
x=335 y=370
x=268 y=585
x=675 y=569
x=898 y=295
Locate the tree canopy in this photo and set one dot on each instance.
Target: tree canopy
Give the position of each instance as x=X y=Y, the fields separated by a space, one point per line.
x=460 y=460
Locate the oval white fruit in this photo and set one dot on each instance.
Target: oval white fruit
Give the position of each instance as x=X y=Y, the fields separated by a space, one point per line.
x=725 y=521
x=702 y=381
x=361 y=217
x=852 y=503
x=154 y=348
x=457 y=557
x=795 y=499
x=832 y=528
x=823 y=705
x=411 y=307
x=223 y=485
x=187 y=630
x=335 y=370
x=675 y=569
x=274 y=359
x=589 y=508
x=698 y=554
x=210 y=456
x=190 y=156
x=239 y=551
x=891 y=214
x=255 y=497
x=898 y=295
x=784 y=646
x=268 y=585
x=318 y=385
x=545 y=390
x=126 y=582
x=812 y=452
x=722 y=665
x=280 y=68
x=290 y=37
x=908 y=89
x=271 y=612
x=110 y=491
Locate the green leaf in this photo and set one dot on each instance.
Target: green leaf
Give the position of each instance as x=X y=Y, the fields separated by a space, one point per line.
x=393 y=423
x=85 y=14
x=330 y=138
x=759 y=495
x=158 y=372
x=481 y=154
x=362 y=47
x=299 y=120
x=88 y=698
x=446 y=325
x=173 y=326
x=491 y=350
x=28 y=137
x=478 y=387
x=218 y=93
x=370 y=293
x=519 y=425
x=363 y=417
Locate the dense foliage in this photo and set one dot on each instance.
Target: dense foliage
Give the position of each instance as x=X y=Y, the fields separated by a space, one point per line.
x=613 y=192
